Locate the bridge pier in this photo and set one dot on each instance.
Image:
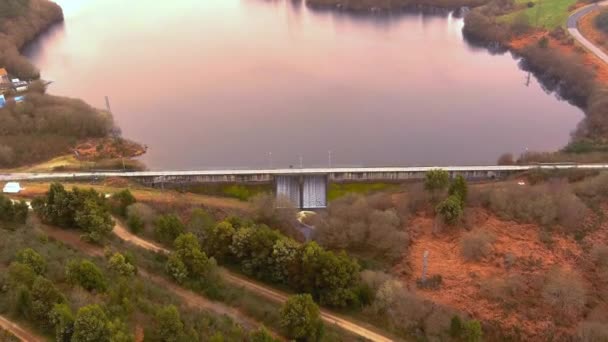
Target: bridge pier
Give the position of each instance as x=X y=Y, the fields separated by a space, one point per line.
x=304 y=191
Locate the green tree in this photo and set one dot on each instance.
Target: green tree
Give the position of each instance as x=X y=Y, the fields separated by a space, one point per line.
x=176 y=268
x=119 y=264
x=459 y=189
x=63 y=320
x=253 y=247
x=22 y=302
x=135 y=223
x=169 y=326
x=119 y=331
x=450 y=210
x=472 y=331
x=216 y=240
x=21 y=274
x=301 y=319
x=436 y=180
x=261 y=335
x=87 y=275
x=32 y=259
x=167 y=228
x=44 y=297
x=286 y=254
x=95 y=220
x=330 y=277
x=120 y=201
x=456 y=327
x=187 y=250
x=91 y=325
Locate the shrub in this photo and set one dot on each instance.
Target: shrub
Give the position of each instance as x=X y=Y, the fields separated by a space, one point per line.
x=32 y=259
x=44 y=297
x=476 y=245
x=169 y=326
x=216 y=240
x=91 y=324
x=167 y=228
x=564 y=291
x=119 y=264
x=352 y=223
x=63 y=320
x=450 y=210
x=135 y=224
x=436 y=180
x=459 y=188
x=120 y=201
x=86 y=274
x=301 y=319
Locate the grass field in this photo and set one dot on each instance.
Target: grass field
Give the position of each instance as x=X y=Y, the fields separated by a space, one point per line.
x=337 y=190
x=547 y=14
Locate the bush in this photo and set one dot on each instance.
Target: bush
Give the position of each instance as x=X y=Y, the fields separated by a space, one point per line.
x=476 y=245
x=436 y=180
x=167 y=228
x=351 y=223
x=86 y=274
x=301 y=319
x=32 y=259
x=135 y=224
x=120 y=201
x=12 y=212
x=450 y=210
x=169 y=326
x=564 y=291
x=84 y=209
x=91 y=324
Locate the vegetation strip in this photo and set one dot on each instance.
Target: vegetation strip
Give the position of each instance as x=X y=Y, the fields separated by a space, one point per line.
x=262 y=290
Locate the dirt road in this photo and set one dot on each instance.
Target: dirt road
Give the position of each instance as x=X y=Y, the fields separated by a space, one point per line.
x=271 y=294
x=190 y=298
x=18 y=331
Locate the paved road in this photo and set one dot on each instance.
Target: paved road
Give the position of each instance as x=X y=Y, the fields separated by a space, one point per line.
x=264 y=291
x=573 y=29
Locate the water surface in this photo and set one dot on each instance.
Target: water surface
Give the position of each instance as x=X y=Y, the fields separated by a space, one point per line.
x=249 y=83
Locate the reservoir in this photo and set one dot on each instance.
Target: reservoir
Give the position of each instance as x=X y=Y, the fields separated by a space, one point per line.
x=254 y=83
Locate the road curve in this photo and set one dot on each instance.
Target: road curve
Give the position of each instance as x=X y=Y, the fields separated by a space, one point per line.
x=268 y=293
x=574 y=32
x=18 y=331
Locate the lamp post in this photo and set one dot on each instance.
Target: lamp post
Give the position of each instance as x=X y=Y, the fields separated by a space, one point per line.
x=329 y=158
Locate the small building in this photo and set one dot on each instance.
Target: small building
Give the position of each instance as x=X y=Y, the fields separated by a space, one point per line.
x=12 y=188
x=4 y=79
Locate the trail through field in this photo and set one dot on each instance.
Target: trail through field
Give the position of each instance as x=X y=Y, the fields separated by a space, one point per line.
x=20 y=332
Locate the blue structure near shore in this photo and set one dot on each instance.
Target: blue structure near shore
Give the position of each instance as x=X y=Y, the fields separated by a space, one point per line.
x=2 y=101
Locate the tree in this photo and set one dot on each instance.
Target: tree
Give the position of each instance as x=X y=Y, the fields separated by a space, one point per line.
x=135 y=223
x=168 y=228
x=216 y=239
x=301 y=319
x=286 y=256
x=252 y=246
x=472 y=331
x=91 y=325
x=32 y=259
x=261 y=335
x=176 y=268
x=21 y=274
x=44 y=297
x=459 y=189
x=95 y=220
x=450 y=210
x=120 y=201
x=119 y=264
x=169 y=326
x=187 y=249
x=87 y=275
x=63 y=320
x=436 y=180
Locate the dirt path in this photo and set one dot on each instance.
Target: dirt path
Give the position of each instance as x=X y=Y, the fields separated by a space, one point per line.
x=18 y=331
x=190 y=298
x=271 y=294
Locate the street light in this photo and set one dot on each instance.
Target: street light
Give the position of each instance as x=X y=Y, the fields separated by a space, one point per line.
x=301 y=162
x=329 y=158
x=270 y=159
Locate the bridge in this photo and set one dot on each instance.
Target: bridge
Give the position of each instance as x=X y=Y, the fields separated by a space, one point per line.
x=306 y=187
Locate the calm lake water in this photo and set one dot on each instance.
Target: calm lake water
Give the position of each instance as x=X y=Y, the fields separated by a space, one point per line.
x=247 y=83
